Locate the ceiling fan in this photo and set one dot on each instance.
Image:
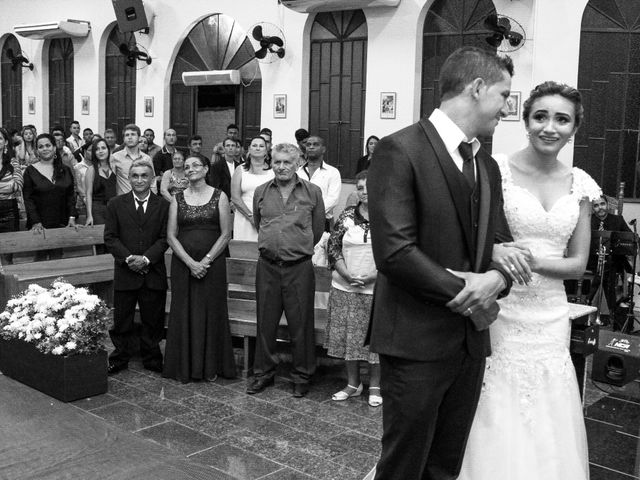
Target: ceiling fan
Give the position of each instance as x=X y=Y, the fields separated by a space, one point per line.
x=270 y=39
x=508 y=35
x=18 y=60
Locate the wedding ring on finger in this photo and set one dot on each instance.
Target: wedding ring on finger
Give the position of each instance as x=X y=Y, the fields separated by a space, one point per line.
x=468 y=312
x=512 y=268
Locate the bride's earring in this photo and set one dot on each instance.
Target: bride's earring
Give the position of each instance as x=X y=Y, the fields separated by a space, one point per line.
x=570 y=140
x=528 y=136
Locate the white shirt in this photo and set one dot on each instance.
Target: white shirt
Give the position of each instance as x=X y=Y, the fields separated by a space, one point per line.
x=120 y=163
x=328 y=179
x=76 y=143
x=145 y=201
x=451 y=136
x=231 y=166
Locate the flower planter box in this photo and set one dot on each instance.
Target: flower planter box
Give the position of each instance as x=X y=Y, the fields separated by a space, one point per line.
x=66 y=378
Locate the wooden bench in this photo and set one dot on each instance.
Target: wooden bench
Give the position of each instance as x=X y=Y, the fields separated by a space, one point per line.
x=241 y=297
x=80 y=264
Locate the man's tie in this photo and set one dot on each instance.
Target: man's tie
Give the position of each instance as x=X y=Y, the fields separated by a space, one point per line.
x=467 y=163
x=601 y=227
x=140 y=209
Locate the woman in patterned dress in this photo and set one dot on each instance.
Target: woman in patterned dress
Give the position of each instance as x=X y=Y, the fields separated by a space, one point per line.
x=354 y=273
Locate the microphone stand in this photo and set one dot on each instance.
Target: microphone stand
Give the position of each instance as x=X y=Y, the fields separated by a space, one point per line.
x=596 y=300
x=629 y=322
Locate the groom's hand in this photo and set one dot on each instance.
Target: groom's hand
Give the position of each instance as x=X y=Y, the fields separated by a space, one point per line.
x=479 y=294
x=483 y=318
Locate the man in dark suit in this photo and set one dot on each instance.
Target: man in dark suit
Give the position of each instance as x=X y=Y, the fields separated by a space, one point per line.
x=222 y=168
x=135 y=234
x=435 y=204
x=614 y=265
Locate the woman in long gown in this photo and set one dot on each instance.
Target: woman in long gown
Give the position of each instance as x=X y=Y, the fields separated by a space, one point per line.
x=251 y=174
x=529 y=423
x=198 y=230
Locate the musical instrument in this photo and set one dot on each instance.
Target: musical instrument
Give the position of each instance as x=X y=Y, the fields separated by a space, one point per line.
x=620 y=198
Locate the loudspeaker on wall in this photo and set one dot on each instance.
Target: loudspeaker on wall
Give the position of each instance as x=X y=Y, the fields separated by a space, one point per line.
x=130 y=15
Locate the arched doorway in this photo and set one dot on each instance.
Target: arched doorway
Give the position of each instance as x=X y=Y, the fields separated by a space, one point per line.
x=61 y=83
x=11 y=81
x=449 y=25
x=338 y=85
x=215 y=43
x=120 y=86
x=606 y=145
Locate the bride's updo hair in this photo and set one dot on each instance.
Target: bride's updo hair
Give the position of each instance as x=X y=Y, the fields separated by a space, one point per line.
x=555 y=88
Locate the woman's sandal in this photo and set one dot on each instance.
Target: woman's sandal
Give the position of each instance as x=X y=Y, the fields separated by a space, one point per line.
x=349 y=391
x=375 y=400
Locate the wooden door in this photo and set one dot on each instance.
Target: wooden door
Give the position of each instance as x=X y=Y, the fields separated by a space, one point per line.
x=449 y=25
x=215 y=43
x=11 y=82
x=606 y=146
x=120 y=86
x=338 y=86
x=250 y=103
x=61 y=83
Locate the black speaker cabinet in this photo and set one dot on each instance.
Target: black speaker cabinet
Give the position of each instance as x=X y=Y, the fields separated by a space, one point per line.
x=130 y=15
x=617 y=361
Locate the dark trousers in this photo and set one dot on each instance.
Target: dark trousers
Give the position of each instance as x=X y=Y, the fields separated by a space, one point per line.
x=123 y=334
x=290 y=289
x=427 y=414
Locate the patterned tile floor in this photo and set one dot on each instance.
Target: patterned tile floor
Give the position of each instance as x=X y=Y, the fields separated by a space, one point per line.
x=272 y=435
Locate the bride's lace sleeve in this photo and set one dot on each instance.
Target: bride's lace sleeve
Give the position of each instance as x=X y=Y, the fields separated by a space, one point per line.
x=584 y=186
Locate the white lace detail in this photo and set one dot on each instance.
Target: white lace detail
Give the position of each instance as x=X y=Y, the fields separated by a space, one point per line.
x=530 y=339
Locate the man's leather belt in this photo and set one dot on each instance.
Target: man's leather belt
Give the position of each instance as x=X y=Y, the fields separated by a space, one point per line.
x=284 y=263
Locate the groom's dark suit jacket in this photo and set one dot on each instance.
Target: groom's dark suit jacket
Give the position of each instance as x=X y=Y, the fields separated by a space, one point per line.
x=426 y=229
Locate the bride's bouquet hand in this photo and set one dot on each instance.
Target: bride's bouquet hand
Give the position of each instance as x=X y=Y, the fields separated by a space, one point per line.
x=516 y=259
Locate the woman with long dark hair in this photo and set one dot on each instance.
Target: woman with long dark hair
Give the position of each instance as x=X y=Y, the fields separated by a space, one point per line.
x=48 y=193
x=255 y=171
x=10 y=189
x=26 y=150
x=365 y=160
x=99 y=183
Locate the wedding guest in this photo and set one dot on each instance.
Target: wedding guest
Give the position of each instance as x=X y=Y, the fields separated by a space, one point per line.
x=74 y=140
x=121 y=161
x=135 y=234
x=289 y=216
x=11 y=182
x=365 y=160
x=153 y=148
x=48 y=193
x=199 y=339
x=26 y=150
x=174 y=180
x=354 y=274
x=99 y=183
x=255 y=171
x=222 y=170
x=64 y=151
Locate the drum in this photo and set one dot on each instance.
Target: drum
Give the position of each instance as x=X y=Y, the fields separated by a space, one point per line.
x=624 y=243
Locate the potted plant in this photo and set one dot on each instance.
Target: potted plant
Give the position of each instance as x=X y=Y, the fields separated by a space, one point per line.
x=52 y=340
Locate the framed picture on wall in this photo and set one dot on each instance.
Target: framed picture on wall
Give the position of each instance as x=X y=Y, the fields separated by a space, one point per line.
x=388 y=105
x=148 y=106
x=513 y=108
x=31 y=105
x=280 y=106
x=84 y=105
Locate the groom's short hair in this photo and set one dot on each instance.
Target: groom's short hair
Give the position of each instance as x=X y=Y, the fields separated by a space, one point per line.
x=468 y=63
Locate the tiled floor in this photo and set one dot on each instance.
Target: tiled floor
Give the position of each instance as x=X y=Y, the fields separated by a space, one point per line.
x=274 y=436
x=270 y=435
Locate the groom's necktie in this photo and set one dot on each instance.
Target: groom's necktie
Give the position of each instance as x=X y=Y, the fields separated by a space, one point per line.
x=467 y=163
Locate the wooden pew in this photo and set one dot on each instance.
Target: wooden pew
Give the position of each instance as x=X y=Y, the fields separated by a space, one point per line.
x=89 y=268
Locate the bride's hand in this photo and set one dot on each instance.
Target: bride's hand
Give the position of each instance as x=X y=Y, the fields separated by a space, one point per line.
x=515 y=259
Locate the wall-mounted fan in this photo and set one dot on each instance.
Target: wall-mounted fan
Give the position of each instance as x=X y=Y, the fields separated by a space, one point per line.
x=18 y=60
x=133 y=53
x=270 y=40
x=508 y=35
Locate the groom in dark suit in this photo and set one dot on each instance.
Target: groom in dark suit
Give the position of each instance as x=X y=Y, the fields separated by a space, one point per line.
x=435 y=204
x=135 y=233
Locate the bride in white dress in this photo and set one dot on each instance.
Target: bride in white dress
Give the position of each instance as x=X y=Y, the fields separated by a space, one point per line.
x=529 y=423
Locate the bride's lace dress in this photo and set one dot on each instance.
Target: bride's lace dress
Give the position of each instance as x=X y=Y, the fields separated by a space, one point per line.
x=529 y=423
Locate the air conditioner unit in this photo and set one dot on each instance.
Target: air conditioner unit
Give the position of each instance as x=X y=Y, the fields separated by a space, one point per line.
x=310 y=6
x=56 y=29
x=211 y=77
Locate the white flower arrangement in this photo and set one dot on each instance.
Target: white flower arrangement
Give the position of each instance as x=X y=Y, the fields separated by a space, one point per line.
x=61 y=320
